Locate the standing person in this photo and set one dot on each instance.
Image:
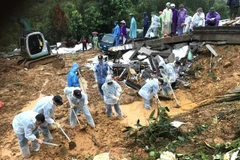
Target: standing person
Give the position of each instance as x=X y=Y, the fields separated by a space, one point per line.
x=46 y=106
x=174 y=19
x=145 y=23
x=112 y=91
x=100 y=73
x=84 y=43
x=116 y=33
x=181 y=18
x=123 y=32
x=133 y=27
x=77 y=99
x=167 y=19
x=25 y=126
x=198 y=19
x=150 y=90
x=233 y=5
x=187 y=23
x=160 y=28
x=212 y=17
x=72 y=76
x=95 y=41
x=155 y=23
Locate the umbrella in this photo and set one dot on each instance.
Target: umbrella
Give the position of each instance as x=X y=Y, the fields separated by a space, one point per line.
x=94 y=32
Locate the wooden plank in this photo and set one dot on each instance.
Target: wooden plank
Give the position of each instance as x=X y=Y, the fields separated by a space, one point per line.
x=209 y=47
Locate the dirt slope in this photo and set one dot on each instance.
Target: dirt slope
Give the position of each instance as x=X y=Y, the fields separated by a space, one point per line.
x=20 y=86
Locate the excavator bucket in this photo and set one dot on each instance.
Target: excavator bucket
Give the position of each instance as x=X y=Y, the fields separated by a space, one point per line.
x=35 y=50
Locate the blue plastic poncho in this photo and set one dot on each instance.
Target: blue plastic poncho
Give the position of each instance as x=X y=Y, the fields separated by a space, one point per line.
x=72 y=78
x=101 y=72
x=133 y=28
x=116 y=33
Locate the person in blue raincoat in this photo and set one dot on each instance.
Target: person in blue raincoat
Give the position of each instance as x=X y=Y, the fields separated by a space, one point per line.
x=46 y=106
x=150 y=90
x=25 y=126
x=116 y=33
x=112 y=91
x=77 y=99
x=72 y=76
x=101 y=71
x=133 y=27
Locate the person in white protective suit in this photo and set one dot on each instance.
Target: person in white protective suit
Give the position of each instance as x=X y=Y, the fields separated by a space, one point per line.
x=198 y=19
x=150 y=90
x=46 y=106
x=112 y=91
x=155 y=24
x=25 y=126
x=78 y=100
x=176 y=67
x=187 y=23
x=169 y=77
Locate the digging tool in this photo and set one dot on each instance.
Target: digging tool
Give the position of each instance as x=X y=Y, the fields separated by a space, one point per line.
x=168 y=81
x=75 y=115
x=71 y=144
x=62 y=149
x=80 y=75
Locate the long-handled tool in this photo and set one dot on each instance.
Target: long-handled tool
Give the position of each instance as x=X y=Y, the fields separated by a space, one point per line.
x=75 y=115
x=62 y=149
x=82 y=85
x=71 y=144
x=168 y=81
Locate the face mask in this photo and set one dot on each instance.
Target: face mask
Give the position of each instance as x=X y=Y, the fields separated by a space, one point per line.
x=109 y=83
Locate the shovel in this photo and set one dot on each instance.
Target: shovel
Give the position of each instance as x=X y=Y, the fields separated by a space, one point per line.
x=71 y=144
x=75 y=115
x=62 y=149
x=168 y=81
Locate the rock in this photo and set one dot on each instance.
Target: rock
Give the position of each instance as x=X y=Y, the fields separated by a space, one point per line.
x=218 y=140
x=227 y=64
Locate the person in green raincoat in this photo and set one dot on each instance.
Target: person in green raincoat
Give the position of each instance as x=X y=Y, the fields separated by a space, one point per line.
x=133 y=27
x=95 y=41
x=160 y=28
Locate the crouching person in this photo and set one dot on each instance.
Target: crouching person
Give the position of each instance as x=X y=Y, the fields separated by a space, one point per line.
x=111 y=93
x=149 y=90
x=78 y=101
x=25 y=126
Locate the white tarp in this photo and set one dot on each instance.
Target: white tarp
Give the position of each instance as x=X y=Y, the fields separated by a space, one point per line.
x=181 y=52
x=65 y=50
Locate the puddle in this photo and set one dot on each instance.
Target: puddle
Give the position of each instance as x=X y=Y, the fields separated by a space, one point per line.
x=136 y=110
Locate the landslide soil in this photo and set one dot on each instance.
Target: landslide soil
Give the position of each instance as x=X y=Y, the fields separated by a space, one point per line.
x=19 y=87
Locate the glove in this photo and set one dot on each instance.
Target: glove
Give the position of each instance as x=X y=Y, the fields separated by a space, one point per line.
x=57 y=124
x=116 y=98
x=73 y=106
x=121 y=91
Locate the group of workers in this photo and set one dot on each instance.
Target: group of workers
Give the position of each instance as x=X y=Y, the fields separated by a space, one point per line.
x=166 y=82
x=27 y=124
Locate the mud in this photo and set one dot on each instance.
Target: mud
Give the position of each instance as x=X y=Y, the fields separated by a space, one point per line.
x=21 y=88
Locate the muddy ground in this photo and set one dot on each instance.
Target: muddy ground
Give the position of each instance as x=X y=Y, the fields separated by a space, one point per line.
x=21 y=88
